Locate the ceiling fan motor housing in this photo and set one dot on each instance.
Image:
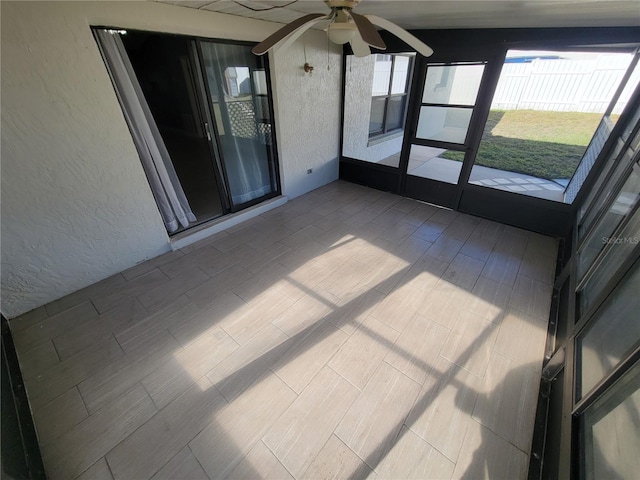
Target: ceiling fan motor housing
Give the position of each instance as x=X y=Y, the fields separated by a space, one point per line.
x=348 y=4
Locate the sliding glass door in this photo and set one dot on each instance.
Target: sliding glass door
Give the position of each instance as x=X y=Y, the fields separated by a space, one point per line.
x=238 y=97
x=202 y=122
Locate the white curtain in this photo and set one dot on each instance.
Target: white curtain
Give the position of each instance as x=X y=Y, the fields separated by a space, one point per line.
x=165 y=185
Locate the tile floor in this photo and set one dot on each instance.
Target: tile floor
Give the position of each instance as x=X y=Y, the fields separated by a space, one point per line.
x=347 y=334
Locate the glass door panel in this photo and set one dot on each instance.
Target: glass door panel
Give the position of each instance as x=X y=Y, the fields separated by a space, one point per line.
x=610 y=431
x=439 y=144
x=236 y=92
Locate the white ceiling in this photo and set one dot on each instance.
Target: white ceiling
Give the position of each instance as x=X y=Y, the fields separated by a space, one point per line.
x=429 y=14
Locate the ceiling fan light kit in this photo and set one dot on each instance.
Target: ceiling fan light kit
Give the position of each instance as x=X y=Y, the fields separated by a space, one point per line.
x=345 y=26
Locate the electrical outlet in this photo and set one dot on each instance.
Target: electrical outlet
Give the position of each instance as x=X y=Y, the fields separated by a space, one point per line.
x=309 y=170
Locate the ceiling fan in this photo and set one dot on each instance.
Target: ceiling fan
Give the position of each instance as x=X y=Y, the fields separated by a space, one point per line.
x=345 y=26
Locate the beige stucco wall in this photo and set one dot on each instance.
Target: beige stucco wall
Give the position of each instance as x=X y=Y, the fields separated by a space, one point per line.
x=76 y=206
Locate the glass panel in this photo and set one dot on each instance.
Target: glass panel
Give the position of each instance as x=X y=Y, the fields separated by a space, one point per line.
x=605 y=194
x=544 y=113
x=376 y=119
x=444 y=124
x=453 y=84
x=430 y=162
x=616 y=255
x=621 y=207
x=613 y=333
x=381 y=75
x=245 y=142
x=611 y=431
x=395 y=112
x=400 y=73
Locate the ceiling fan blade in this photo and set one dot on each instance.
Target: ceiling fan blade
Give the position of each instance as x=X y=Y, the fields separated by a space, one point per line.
x=402 y=34
x=359 y=47
x=369 y=34
x=291 y=28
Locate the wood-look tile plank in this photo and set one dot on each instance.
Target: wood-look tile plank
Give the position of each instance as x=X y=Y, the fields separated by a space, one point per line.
x=481 y=242
x=261 y=463
x=97 y=471
x=91 y=439
x=303 y=429
x=374 y=420
x=162 y=295
x=164 y=435
x=486 y=456
x=444 y=216
x=53 y=326
x=206 y=292
x=539 y=260
x=188 y=328
x=38 y=358
x=424 y=273
x=361 y=355
x=398 y=232
x=336 y=461
x=117 y=377
x=28 y=319
x=145 y=267
x=237 y=427
x=445 y=248
x=443 y=303
x=442 y=411
x=183 y=466
x=187 y=366
x=507 y=401
x=429 y=231
x=90 y=333
x=236 y=373
x=461 y=227
x=522 y=338
x=56 y=380
x=463 y=271
x=76 y=298
x=532 y=297
x=470 y=342
x=309 y=352
x=416 y=351
x=243 y=323
x=59 y=416
x=346 y=279
x=502 y=267
x=127 y=290
x=399 y=306
x=133 y=337
x=412 y=457
x=304 y=313
x=488 y=299
x=350 y=311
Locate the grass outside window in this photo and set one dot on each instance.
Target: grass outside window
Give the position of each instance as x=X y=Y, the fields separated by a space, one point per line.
x=542 y=144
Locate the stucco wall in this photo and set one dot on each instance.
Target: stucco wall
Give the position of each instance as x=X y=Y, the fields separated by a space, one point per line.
x=357 y=110
x=76 y=206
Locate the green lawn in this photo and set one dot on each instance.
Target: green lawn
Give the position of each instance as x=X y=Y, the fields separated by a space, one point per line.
x=542 y=144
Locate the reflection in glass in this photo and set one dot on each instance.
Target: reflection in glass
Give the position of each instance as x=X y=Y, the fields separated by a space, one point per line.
x=623 y=204
x=452 y=85
x=613 y=333
x=444 y=124
x=611 y=431
x=245 y=140
x=375 y=107
x=429 y=162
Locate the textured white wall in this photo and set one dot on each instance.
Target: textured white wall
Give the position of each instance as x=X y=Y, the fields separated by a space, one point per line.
x=308 y=113
x=76 y=206
x=357 y=110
